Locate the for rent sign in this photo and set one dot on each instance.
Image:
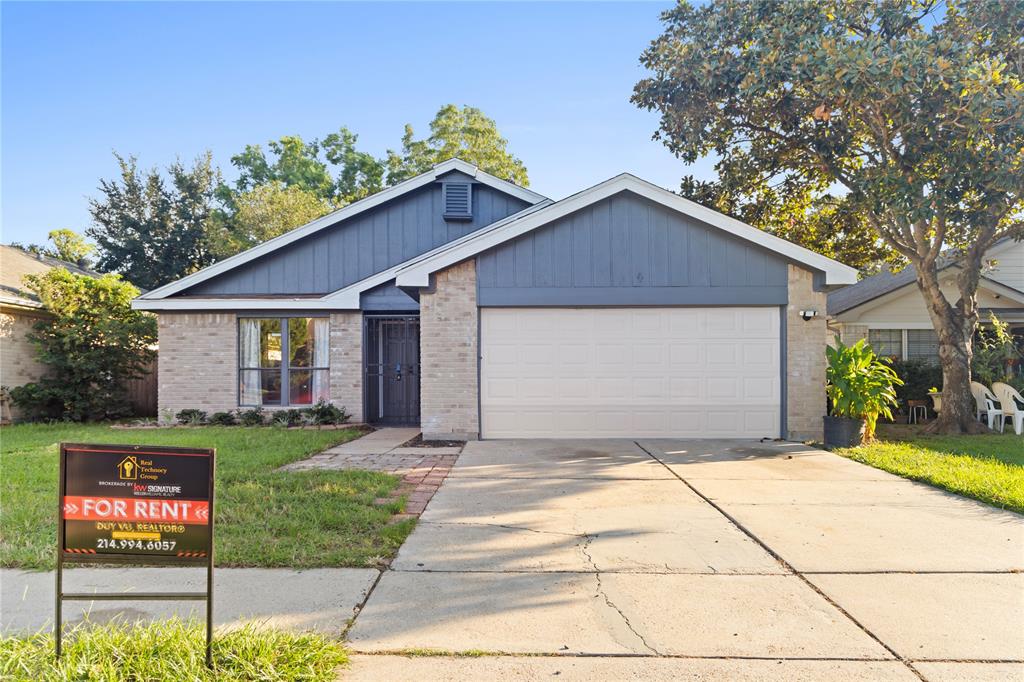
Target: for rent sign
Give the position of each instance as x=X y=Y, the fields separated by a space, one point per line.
x=136 y=501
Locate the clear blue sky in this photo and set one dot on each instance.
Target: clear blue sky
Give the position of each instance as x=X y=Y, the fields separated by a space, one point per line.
x=162 y=81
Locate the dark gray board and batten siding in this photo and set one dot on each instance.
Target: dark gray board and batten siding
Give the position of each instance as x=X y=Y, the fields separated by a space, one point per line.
x=362 y=246
x=629 y=251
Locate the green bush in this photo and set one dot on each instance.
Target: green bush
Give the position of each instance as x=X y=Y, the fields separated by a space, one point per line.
x=191 y=417
x=860 y=385
x=223 y=419
x=290 y=417
x=918 y=377
x=327 y=413
x=92 y=343
x=251 y=417
x=995 y=353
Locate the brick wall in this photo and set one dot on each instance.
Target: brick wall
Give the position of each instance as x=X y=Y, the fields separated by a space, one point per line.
x=449 y=356
x=347 y=362
x=18 y=364
x=198 y=365
x=851 y=333
x=805 y=358
x=199 y=362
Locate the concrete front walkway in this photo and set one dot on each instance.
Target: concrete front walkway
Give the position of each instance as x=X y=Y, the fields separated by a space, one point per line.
x=377 y=442
x=696 y=559
x=321 y=599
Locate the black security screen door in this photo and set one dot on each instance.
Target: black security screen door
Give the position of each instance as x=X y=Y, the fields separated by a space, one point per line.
x=392 y=352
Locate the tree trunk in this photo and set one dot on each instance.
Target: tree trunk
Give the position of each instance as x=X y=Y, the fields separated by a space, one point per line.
x=955 y=327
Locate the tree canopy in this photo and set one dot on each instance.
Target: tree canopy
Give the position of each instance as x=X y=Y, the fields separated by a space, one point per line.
x=151 y=230
x=298 y=181
x=824 y=223
x=466 y=133
x=914 y=108
x=261 y=213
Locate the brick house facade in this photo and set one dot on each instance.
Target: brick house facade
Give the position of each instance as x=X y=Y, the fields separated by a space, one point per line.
x=491 y=311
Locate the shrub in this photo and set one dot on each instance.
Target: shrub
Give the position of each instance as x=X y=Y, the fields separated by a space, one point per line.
x=918 y=377
x=291 y=417
x=191 y=417
x=327 y=413
x=252 y=417
x=860 y=385
x=995 y=353
x=91 y=343
x=223 y=419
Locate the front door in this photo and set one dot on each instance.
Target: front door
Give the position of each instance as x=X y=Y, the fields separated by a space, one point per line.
x=392 y=353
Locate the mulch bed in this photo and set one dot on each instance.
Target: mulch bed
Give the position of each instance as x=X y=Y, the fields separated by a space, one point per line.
x=418 y=442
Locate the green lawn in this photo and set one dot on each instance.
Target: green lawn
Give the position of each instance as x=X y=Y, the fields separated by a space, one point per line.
x=989 y=468
x=171 y=650
x=264 y=517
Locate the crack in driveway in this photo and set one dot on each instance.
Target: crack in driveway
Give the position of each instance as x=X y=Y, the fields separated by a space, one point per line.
x=584 y=548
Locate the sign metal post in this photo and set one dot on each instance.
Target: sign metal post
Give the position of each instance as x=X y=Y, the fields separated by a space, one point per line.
x=135 y=504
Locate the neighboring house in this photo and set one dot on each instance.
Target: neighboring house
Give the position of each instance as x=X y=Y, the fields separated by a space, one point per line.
x=19 y=310
x=889 y=310
x=472 y=307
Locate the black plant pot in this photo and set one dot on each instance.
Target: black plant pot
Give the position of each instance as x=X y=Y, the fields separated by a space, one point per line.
x=843 y=432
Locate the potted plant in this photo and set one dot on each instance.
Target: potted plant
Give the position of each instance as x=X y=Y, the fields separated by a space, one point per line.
x=861 y=388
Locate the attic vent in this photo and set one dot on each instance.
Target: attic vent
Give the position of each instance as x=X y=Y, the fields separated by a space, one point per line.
x=458 y=200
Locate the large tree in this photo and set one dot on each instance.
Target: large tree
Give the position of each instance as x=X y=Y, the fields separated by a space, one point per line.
x=915 y=108
x=466 y=133
x=150 y=230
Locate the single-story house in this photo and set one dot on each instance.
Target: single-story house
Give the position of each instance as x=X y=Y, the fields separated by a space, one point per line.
x=889 y=311
x=20 y=309
x=475 y=308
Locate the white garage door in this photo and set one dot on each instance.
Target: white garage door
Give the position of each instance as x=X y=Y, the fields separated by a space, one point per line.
x=629 y=372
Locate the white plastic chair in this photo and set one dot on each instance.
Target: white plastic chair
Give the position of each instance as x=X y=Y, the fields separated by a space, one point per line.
x=985 y=401
x=1011 y=402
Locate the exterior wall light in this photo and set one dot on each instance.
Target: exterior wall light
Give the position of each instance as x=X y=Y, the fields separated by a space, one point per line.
x=808 y=315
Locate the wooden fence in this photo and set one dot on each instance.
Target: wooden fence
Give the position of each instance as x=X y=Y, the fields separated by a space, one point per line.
x=142 y=392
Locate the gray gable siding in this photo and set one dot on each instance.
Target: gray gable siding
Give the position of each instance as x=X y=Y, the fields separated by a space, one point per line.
x=627 y=250
x=361 y=246
x=387 y=298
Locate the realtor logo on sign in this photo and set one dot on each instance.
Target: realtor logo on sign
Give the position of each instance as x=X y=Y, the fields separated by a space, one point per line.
x=128 y=469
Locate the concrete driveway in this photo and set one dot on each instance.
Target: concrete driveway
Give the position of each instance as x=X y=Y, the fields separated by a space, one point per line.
x=696 y=559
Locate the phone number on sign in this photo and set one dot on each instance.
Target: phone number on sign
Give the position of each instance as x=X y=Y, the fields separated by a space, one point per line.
x=151 y=545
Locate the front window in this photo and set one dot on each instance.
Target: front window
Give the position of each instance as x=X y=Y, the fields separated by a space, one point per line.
x=887 y=342
x=283 y=360
x=922 y=344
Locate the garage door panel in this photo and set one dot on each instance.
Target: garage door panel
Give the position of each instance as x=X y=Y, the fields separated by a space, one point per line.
x=682 y=355
x=723 y=353
x=684 y=372
x=686 y=389
x=764 y=322
x=760 y=389
x=649 y=388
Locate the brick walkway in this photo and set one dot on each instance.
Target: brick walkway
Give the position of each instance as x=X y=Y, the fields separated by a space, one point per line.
x=422 y=472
